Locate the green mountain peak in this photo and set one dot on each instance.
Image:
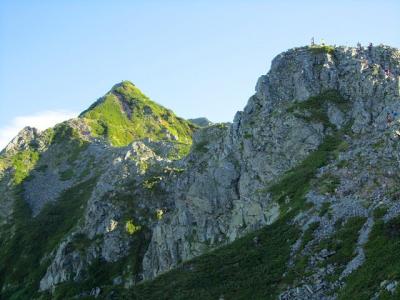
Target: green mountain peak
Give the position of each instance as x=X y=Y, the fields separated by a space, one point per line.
x=125 y=114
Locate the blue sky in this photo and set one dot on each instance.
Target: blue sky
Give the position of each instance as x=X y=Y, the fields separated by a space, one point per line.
x=199 y=58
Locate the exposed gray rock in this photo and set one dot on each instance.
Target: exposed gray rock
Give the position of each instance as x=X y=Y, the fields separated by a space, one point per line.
x=22 y=141
x=357 y=261
x=220 y=191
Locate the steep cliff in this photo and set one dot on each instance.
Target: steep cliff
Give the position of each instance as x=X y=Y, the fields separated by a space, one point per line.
x=306 y=174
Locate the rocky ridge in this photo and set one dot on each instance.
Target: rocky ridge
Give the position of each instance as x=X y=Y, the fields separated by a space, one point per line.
x=334 y=109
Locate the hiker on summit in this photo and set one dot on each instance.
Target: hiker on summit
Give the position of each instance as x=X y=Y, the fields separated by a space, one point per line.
x=370 y=48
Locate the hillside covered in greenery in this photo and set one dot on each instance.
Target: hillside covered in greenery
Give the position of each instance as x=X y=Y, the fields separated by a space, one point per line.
x=297 y=198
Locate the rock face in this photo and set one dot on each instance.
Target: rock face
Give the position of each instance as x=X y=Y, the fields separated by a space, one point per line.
x=222 y=202
x=151 y=200
x=22 y=140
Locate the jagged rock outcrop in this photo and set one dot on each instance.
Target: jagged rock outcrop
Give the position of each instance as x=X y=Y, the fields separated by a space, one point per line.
x=265 y=141
x=21 y=142
x=152 y=204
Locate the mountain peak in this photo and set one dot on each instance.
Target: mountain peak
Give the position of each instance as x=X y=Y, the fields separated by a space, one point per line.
x=125 y=114
x=307 y=174
x=22 y=140
x=124 y=84
x=126 y=87
x=201 y=122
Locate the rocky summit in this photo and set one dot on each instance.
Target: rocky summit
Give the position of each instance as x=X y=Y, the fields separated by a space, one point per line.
x=297 y=198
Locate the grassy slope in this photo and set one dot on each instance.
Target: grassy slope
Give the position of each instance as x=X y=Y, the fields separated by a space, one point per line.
x=31 y=238
x=382 y=263
x=240 y=270
x=23 y=162
x=243 y=269
x=20 y=254
x=125 y=114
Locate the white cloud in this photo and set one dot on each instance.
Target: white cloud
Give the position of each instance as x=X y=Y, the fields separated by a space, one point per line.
x=40 y=120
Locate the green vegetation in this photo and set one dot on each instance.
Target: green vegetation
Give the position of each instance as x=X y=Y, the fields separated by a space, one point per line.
x=343 y=164
x=201 y=146
x=80 y=242
x=243 y=269
x=125 y=114
x=378 y=144
x=102 y=273
x=152 y=182
x=159 y=214
x=23 y=162
x=252 y=267
x=324 y=209
x=382 y=263
x=240 y=270
x=180 y=150
x=314 y=109
x=173 y=170
x=342 y=246
x=379 y=212
x=299 y=269
x=290 y=191
x=23 y=254
x=248 y=135
x=67 y=174
x=322 y=49
x=21 y=267
x=376 y=70
x=131 y=228
x=70 y=140
x=343 y=146
x=308 y=234
x=328 y=183
x=343 y=242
